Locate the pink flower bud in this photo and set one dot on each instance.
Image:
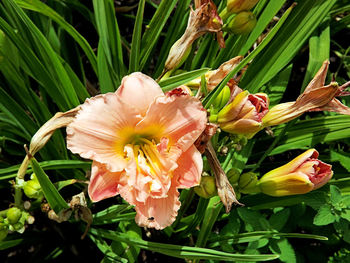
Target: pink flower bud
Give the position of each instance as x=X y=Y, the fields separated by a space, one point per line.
x=243 y=115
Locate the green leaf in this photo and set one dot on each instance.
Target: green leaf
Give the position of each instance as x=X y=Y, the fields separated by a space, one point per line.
x=17 y=115
x=345 y=214
x=258 y=235
x=342 y=157
x=10 y=243
x=181 y=79
x=123 y=249
x=46 y=53
x=185 y=252
x=335 y=195
x=38 y=6
x=136 y=39
x=154 y=29
x=210 y=216
x=114 y=214
x=284 y=248
x=51 y=194
x=176 y=28
x=252 y=218
x=61 y=184
x=110 y=256
x=264 y=19
x=279 y=219
x=319 y=46
x=208 y=100
x=48 y=165
x=306 y=134
x=277 y=86
x=43 y=73
x=324 y=216
x=306 y=16
x=110 y=40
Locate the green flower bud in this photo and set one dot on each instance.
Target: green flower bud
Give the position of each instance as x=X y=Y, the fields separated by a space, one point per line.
x=13 y=215
x=207 y=187
x=236 y=6
x=32 y=189
x=18 y=227
x=242 y=23
x=233 y=175
x=223 y=97
x=247 y=183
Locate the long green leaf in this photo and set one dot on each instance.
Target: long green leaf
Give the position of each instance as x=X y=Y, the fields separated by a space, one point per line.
x=51 y=194
x=179 y=251
x=295 y=31
x=181 y=79
x=47 y=54
x=136 y=39
x=38 y=6
x=110 y=39
x=319 y=47
x=17 y=114
x=214 y=93
x=254 y=236
x=10 y=172
x=155 y=27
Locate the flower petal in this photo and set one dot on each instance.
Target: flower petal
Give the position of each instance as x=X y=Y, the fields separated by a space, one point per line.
x=100 y=130
x=139 y=90
x=158 y=213
x=289 y=184
x=190 y=168
x=291 y=166
x=182 y=119
x=335 y=106
x=103 y=183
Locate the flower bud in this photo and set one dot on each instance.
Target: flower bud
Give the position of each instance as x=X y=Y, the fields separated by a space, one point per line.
x=13 y=215
x=242 y=23
x=247 y=182
x=223 y=97
x=17 y=227
x=236 y=6
x=243 y=115
x=207 y=187
x=233 y=175
x=32 y=188
x=301 y=175
x=316 y=97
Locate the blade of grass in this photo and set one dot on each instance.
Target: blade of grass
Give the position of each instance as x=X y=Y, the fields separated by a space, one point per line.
x=176 y=28
x=110 y=39
x=38 y=6
x=155 y=27
x=295 y=31
x=136 y=39
x=214 y=93
x=51 y=194
x=179 y=251
x=181 y=79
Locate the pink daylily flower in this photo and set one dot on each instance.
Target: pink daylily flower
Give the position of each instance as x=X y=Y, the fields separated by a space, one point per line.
x=141 y=142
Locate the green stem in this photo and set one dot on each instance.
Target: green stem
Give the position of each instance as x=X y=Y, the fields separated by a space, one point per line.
x=18 y=195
